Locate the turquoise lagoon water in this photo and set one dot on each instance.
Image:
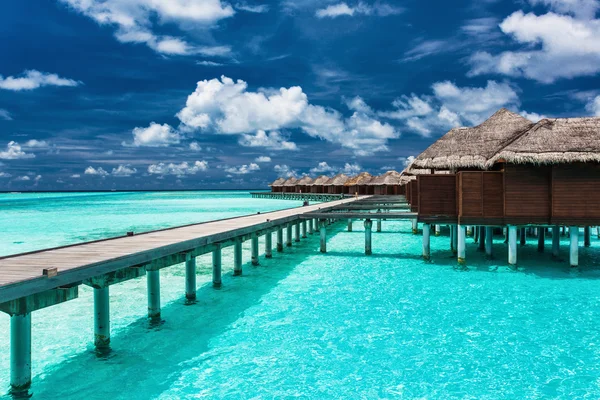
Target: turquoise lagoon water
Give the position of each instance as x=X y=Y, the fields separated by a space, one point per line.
x=310 y=325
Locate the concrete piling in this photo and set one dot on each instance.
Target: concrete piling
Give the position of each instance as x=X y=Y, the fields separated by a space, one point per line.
x=574 y=248
x=20 y=352
x=101 y=318
x=489 y=241
x=323 y=231
x=426 y=242
x=153 y=284
x=461 y=244
x=216 y=259
x=254 y=249
x=269 y=245
x=237 y=256
x=512 y=245
x=190 y=277
x=368 y=229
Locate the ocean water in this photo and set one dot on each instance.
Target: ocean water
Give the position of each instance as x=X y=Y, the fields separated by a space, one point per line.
x=318 y=326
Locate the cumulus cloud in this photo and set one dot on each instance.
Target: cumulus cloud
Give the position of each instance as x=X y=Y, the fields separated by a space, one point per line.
x=263 y=159
x=555 y=46
x=123 y=171
x=594 y=106
x=135 y=20
x=5 y=175
x=5 y=115
x=585 y=9
x=451 y=106
x=14 y=152
x=272 y=140
x=23 y=178
x=243 y=169
x=75 y=176
x=322 y=168
x=352 y=169
x=361 y=8
x=195 y=146
x=179 y=170
x=41 y=144
x=32 y=79
x=259 y=8
x=226 y=107
x=155 y=135
x=284 y=171
x=96 y=171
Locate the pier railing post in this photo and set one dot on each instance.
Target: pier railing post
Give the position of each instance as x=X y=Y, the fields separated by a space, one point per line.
x=102 y=318
x=426 y=241
x=269 y=245
x=512 y=245
x=153 y=283
x=461 y=245
x=288 y=236
x=574 y=250
x=20 y=352
x=237 y=258
x=254 y=249
x=279 y=240
x=190 y=277
x=216 y=259
x=323 y=231
x=368 y=229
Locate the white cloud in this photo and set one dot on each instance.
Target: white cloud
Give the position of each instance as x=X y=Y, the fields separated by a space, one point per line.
x=322 y=168
x=32 y=79
x=195 y=146
x=260 y=8
x=533 y=117
x=343 y=9
x=124 y=171
x=272 y=140
x=75 y=176
x=5 y=175
x=352 y=169
x=134 y=20
x=38 y=178
x=263 y=159
x=452 y=106
x=594 y=106
x=23 y=178
x=14 y=152
x=585 y=9
x=209 y=63
x=406 y=161
x=5 y=115
x=555 y=47
x=226 y=107
x=41 y=144
x=181 y=169
x=95 y=171
x=155 y=135
x=243 y=169
x=284 y=171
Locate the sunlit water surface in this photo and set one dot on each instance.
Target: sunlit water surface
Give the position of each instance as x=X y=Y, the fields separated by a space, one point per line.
x=311 y=325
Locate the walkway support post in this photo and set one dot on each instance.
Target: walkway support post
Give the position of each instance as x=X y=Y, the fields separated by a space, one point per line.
x=461 y=245
x=415 y=226
x=153 y=284
x=216 y=259
x=523 y=236
x=426 y=242
x=541 y=239
x=269 y=245
x=323 y=231
x=489 y=241
x=280 y=240
x=349 y=225
x=438 y=230
x=254 y=249
x=379 y=222
x=288 y=236
x=310 y=226
x=555 y=241
x=587 y=236
x=574 y=251
x=304 y=229
x=20 y=352
x=368 y=230
x=237 y=257
x=316 y=224
x=512 y=245
x=454 y=230
x=297 y=232
x=190 y=277
x=101 y=318
x=482 y=232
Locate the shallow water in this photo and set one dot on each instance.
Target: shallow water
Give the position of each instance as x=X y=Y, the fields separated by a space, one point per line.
x=337 y=325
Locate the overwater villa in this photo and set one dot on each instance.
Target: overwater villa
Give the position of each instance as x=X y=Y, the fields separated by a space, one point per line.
x=389 y=183
x=277 y=185
x=359 y=184
x=337 y=184
x=289 y=186
x=303 y=184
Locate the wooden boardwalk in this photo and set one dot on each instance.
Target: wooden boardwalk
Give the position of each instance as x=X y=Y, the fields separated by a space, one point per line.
x=22 y=274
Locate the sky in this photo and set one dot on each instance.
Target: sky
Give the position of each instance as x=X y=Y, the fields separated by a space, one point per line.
x=215 y=94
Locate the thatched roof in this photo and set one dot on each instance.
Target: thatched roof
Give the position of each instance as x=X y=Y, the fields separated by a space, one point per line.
x=473 y=147
x=278 y=182
x=321 y=180
x=338 y=180
x=412 y=171
x=361 y=179
x=555 y=141
x=290 y=182
x=389 y=178
x=305 y=181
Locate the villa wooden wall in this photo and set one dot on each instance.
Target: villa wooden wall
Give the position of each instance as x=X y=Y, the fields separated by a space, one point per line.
x=480 y=197
x=437 y=198
x=527 y=194
x=576 y=194
x=414 y=196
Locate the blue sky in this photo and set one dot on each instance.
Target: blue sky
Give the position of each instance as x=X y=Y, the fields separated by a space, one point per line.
x=167 y=94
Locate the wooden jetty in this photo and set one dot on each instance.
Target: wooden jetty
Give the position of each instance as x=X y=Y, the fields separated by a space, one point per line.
x=320 y=197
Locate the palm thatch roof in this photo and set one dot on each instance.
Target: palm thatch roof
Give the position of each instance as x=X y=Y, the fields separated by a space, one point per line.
x=555 y=141
x=338 y=180
x=320 y=181
x=305 y=181
x=389 y=178
x=473 y=147
x=278 y=182
x=290 y=181
x=361 y=179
